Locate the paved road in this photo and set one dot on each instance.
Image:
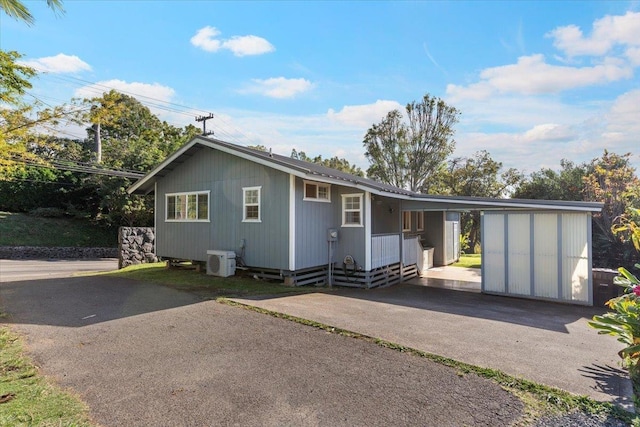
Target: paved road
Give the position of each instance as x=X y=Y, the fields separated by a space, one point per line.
x=548 y=343
x=142 y=354
x=12 y=270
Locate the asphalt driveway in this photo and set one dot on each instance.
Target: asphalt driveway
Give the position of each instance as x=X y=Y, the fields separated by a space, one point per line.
x=545 y=342
x=142 y=354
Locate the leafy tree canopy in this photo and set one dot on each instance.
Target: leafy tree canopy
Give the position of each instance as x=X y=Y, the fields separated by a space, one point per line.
x=548 y=184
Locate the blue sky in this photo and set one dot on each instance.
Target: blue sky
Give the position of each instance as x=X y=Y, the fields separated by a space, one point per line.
x=535 y=82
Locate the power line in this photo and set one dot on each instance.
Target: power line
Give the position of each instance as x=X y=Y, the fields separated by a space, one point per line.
x=78 y=167
x=159 y=104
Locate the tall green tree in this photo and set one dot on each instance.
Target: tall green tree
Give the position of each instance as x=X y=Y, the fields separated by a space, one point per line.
x=410 y=151
x=17 y=10
x=612 y=181
x=334 y=162
x=14 y=112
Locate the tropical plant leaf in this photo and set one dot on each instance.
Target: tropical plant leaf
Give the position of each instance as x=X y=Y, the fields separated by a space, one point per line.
x=631 y=350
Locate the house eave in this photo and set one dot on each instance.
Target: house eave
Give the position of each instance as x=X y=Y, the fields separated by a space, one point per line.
x=146 y=184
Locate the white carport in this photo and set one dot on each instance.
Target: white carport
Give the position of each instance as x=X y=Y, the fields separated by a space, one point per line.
x=539 y=249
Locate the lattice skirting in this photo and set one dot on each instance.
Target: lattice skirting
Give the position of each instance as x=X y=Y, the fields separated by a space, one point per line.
x=379 y=277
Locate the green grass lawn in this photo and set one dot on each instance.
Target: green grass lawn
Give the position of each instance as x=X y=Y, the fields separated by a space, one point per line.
x=26 y=398
x=18 y=229
x=205 y=285
x=469 y=261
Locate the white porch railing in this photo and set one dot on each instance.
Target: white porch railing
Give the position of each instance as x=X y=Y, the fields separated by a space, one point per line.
x=385 y=250
x=411 y=250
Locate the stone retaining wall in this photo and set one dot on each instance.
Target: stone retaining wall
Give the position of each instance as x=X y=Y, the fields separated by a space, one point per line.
x=37 y=252
x=136 y=245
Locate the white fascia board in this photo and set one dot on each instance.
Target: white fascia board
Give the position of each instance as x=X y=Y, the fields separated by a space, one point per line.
x=518 y=206
x=161 y=166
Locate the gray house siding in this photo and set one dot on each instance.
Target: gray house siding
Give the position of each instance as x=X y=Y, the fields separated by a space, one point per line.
x=313 y=219
x=224 y=175
x=385 y=212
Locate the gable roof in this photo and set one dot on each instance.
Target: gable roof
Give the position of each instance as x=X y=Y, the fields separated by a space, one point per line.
x=320 y=173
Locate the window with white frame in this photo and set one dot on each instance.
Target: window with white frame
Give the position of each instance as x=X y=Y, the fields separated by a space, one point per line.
x=420 y=221
x=406 y=221
x=317 y=192
x=352 y=210
x=251 y=204
x=188 y=207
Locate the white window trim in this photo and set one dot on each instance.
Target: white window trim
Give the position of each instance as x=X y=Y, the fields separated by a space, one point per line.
x=187 y=193
x=344 y=211
x=318 y=185
x=420 y=221
x=408 y=222
x=244 y=204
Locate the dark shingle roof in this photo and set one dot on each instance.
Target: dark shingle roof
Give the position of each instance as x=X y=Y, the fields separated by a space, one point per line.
x=319 y=172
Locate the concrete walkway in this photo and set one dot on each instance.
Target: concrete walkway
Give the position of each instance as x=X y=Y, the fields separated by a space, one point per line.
x=546 y=342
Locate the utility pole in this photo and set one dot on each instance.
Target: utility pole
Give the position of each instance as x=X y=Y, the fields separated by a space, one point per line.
x=97 y=143
x=204 y=119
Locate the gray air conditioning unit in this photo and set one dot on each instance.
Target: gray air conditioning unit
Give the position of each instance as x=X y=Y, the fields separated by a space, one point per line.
x=221 y=263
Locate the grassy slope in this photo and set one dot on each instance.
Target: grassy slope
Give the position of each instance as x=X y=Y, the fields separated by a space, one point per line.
x=24 y=230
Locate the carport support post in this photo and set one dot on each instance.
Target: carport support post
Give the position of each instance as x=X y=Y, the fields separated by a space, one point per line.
x=560 y=257
x=482 y=251
x=532 y=258
x=401 y=239
x=506 y=252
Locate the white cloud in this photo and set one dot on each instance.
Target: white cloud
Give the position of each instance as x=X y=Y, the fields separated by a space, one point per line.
x=248 y=45
x=58 y=64
x=579 y=134
x=633 y=54
x=364 y=116
x=622 y=119
x=206 y=39
x=549 y=132
x=531 y=75
x=145 y=92
x=278 y=87
x=607 y=32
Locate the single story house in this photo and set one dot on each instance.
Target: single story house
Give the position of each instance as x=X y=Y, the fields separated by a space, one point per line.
x=305 y=223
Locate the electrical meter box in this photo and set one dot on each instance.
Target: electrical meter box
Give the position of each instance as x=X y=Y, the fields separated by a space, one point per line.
x=332 y=234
